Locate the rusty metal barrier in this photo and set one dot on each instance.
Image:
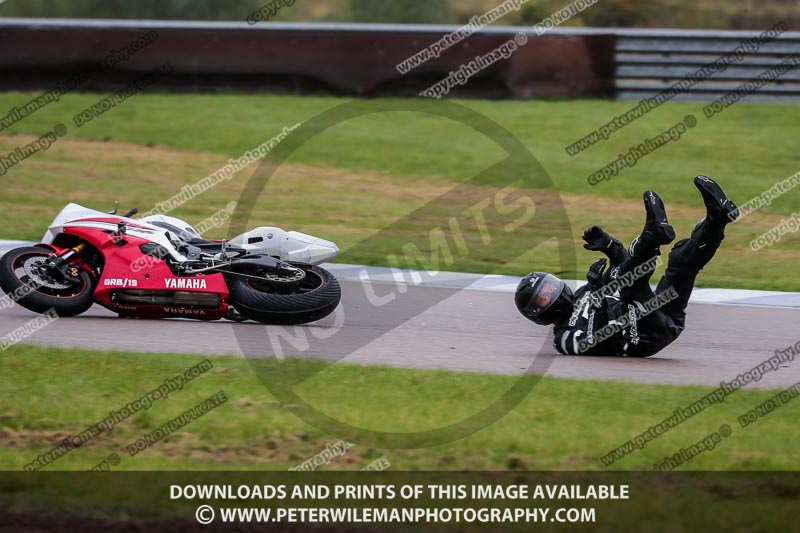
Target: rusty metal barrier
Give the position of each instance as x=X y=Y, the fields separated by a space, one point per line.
x=353 y=59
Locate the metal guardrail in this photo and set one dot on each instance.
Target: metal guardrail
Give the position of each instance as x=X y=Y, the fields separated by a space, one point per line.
x=650 y=61
x=646 y=61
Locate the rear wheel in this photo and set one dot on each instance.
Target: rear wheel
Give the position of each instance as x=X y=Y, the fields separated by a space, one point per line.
x=26 y=278
x=310 y=295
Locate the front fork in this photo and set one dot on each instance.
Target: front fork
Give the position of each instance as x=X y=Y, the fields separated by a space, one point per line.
x=60 y=263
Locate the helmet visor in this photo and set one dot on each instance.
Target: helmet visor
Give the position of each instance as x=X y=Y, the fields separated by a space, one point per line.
x=546 y=291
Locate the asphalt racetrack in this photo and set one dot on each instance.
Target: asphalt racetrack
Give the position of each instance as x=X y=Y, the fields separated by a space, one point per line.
x=445 y=328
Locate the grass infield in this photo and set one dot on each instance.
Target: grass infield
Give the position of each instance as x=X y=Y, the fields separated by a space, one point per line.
x=561 y=424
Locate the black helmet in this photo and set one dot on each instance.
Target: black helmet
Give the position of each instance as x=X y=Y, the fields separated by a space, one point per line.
x=543 y=298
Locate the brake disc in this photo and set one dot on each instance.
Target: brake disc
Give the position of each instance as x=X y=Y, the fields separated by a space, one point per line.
x=298 y=275
x=33 y=267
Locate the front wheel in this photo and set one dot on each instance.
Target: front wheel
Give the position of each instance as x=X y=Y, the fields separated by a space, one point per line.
x=286 y=301
x=26 y=278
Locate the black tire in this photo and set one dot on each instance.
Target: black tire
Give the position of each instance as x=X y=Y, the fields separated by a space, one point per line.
x=70 y=301
x=318 y=299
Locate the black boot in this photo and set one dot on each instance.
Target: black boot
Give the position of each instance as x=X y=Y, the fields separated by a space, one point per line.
x=656 y=225
x=656 y=231
x=720 y=210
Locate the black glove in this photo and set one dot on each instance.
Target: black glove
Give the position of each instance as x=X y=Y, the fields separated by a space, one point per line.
x=595 y=274
x=596 y=239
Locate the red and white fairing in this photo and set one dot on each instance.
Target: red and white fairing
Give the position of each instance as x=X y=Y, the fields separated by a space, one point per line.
x=137 y=268
x=126 y=268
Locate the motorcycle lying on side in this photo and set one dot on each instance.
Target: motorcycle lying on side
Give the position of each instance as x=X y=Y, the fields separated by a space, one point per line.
x=160 y=267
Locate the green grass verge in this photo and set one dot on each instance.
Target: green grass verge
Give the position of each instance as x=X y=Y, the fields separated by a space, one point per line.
x=561 y=425
x=360 y=176
x=407 y=144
